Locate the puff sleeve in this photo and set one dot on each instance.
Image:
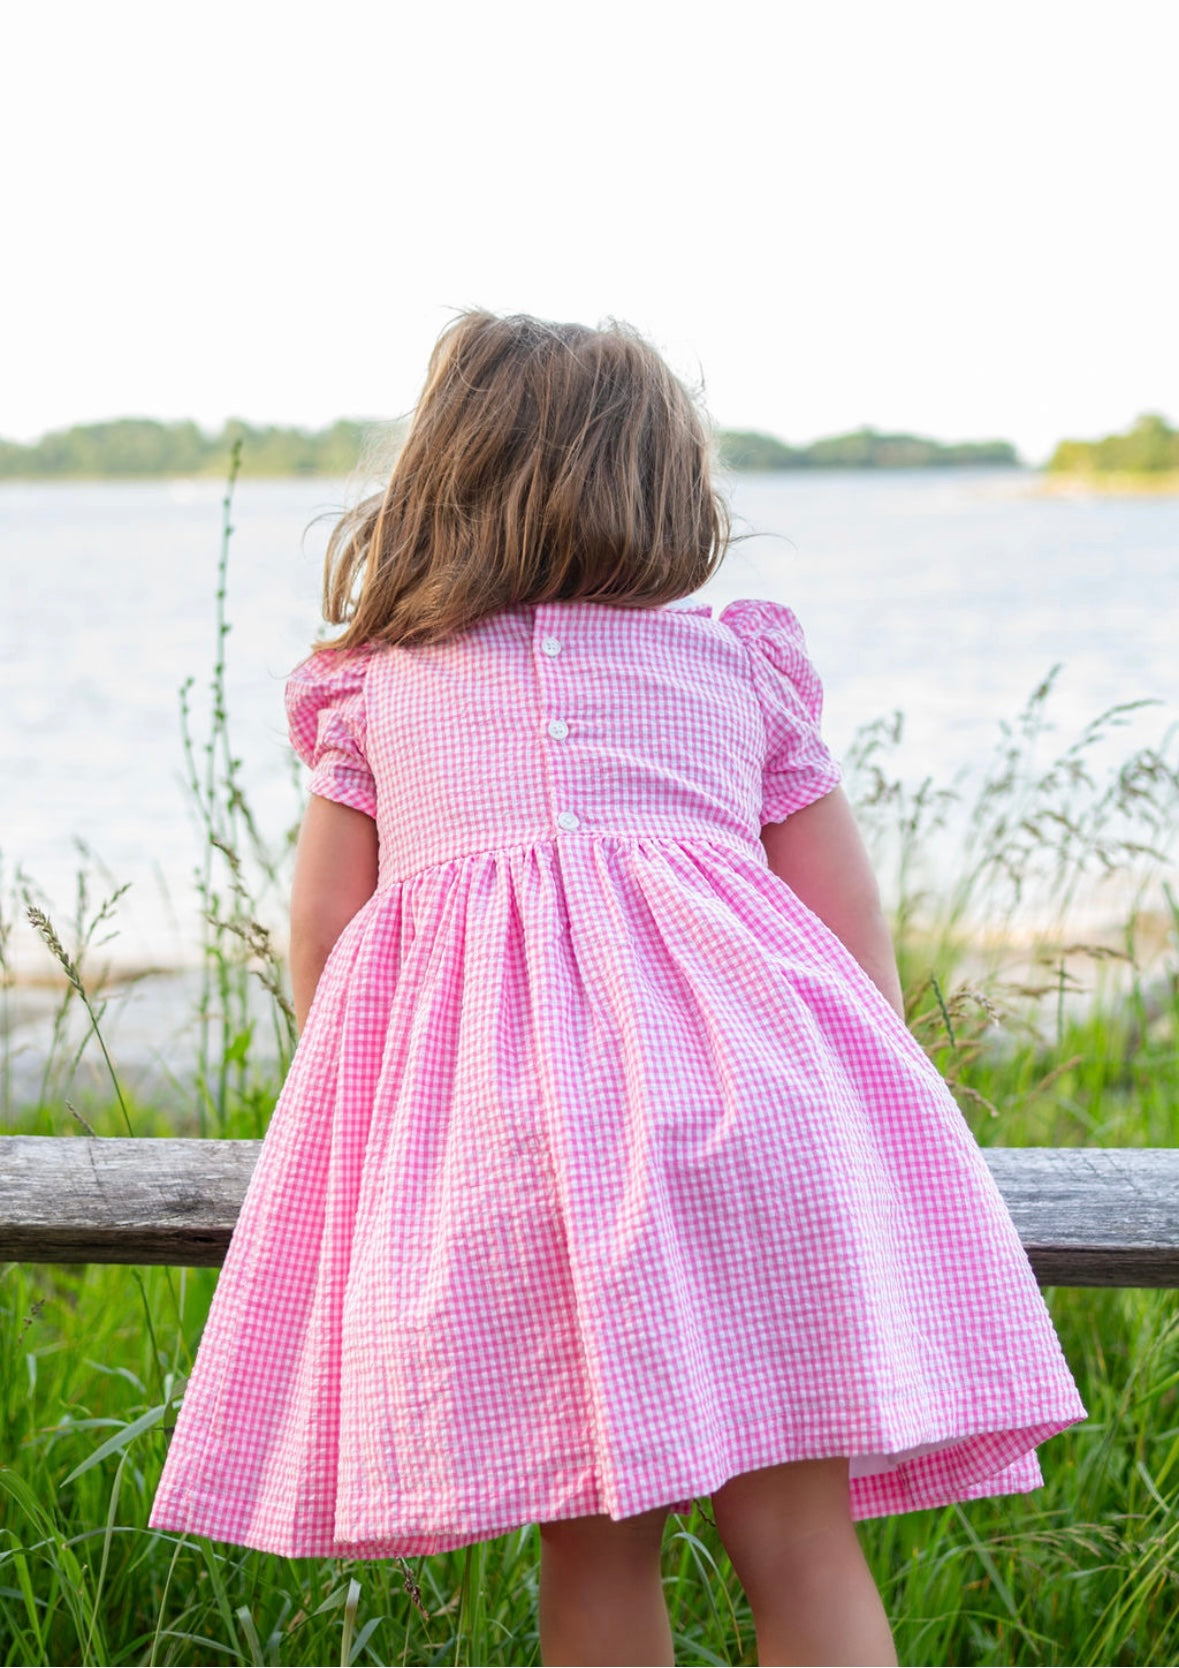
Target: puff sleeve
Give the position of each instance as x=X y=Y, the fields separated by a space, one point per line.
x=798 y=767
x=326 y=718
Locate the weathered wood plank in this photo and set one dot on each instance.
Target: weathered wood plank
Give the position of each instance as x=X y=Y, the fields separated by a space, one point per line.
x=1090 y=1216
x=77 y=1199
x=1086 y=1217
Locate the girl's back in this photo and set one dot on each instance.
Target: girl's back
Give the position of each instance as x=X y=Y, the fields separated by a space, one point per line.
x=567 y=717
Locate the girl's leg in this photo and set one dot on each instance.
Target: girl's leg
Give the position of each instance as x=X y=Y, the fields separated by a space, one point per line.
x=601 y=1591
x=789 y=1535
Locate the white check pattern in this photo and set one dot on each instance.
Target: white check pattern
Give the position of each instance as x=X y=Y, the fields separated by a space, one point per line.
x=602 y=1173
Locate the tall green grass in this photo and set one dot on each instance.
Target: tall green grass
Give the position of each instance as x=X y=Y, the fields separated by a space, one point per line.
x=1049 y=1041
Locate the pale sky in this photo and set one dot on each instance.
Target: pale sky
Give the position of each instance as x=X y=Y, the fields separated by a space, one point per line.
x=957 y=219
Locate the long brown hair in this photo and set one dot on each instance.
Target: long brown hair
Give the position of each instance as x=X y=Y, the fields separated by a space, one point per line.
x=544 y=462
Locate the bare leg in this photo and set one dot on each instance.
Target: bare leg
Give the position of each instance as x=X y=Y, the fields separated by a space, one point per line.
x=601 y=1591
x=789 y=1535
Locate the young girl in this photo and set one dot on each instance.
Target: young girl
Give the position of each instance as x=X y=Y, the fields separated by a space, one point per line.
x=607 y=1175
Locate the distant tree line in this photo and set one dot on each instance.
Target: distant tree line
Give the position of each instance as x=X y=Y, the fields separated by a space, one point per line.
x=137 y=446
x=1148 y=447
x=862 y=449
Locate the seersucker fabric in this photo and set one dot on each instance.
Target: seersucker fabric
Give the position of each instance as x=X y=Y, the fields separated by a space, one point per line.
x=602 y=1172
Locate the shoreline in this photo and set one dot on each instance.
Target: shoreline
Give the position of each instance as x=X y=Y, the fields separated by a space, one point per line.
x=31 y=989
x=1115 y=484
x=1038 y=482
x=1035 y=973
x=217 y=477
x=153 y=1031
x=1033 y=927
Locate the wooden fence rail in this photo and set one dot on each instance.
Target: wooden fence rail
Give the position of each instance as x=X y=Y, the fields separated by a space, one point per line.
x=1086 y=1217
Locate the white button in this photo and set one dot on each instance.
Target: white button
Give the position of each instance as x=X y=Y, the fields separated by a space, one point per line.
x=558 y=728
x=551 y=646
x=568 y=819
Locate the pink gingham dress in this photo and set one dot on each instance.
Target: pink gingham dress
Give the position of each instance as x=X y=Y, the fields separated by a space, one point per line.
x=602 y=1173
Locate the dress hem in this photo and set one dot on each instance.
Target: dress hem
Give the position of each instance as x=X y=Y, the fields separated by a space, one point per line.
x=1011 y=1466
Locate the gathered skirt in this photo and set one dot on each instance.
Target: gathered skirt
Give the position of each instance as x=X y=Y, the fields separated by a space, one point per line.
x=603 y=1174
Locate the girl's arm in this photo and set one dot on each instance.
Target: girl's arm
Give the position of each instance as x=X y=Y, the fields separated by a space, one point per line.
x=335 y=874
x=818 y=852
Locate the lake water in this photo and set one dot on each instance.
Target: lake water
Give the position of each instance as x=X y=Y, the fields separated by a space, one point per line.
x=948 y=595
